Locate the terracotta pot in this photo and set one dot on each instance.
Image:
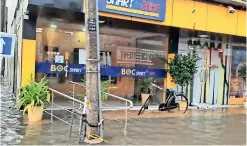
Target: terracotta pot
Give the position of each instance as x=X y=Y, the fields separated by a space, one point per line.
x=144 y=98
x=35 y=114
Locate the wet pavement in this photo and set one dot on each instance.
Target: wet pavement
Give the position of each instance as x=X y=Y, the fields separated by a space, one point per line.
x=12 y=130
x=196 y=127
x=220 y=127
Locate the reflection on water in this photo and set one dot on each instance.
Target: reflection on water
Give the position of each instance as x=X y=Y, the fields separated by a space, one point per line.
x=12 y=130
x=192 y=130
x=196 y=129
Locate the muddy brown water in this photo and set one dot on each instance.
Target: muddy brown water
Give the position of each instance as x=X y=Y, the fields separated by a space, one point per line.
x=221 y=127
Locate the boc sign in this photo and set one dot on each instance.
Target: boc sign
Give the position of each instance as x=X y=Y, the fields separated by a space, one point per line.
x=7 y=44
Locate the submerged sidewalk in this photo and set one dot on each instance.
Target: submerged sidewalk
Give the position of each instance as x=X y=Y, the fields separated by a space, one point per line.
x=197 y=126
x=12 y=129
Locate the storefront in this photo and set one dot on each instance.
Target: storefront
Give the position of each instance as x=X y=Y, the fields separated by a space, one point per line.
x=128 y=53
x=222 y=57
x=132 y=34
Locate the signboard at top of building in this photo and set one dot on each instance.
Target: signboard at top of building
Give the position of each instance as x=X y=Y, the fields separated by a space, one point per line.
x=147 y=9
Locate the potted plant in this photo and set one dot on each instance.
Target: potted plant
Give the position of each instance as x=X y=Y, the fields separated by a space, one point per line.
x=242 y=73
x=32 y=97
x=182 y=68
x=145 y=88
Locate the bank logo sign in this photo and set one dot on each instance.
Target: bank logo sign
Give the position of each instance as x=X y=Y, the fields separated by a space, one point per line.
x=79 y=69
x=147 y=9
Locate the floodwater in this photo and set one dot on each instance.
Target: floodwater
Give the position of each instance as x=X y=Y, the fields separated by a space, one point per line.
x=194 y=128
x=12 y=129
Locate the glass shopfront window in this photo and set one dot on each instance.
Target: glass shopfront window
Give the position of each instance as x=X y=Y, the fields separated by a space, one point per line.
x=133 y=51
x=129 y=54
x=222 y=60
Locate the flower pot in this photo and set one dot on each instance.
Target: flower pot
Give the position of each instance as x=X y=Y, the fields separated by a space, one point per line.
x=35 y=114
x=144 y=98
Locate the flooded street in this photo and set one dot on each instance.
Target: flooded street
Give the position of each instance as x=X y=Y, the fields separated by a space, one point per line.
x=199 y=129
x=12 y=129
x=195 y=128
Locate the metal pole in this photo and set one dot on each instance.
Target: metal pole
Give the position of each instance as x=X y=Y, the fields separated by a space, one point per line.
x=84 y=124
x=72 y=114
x=73 y=95
x=126 y=118
x=52 y=100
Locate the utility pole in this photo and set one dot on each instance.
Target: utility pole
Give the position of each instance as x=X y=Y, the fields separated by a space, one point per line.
x=93 y=105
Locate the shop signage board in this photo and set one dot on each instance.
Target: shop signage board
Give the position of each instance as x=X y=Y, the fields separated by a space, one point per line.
x=61 y=68
x=126 y=55
x=147 y=9
x=7 y=44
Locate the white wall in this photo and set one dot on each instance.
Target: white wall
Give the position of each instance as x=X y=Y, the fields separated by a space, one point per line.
x=15 y=26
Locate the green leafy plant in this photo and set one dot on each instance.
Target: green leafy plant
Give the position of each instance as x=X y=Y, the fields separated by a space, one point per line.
x=182 y=68
x=145 y=85
x=34 y=94
x=242 y=72
x=105 y=86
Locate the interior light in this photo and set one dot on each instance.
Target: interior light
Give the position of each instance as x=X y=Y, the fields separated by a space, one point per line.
x=39 y=29
x=53 y=26
x=101 y=21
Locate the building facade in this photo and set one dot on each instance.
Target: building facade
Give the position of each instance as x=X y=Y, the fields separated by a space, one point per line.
x=51 y=42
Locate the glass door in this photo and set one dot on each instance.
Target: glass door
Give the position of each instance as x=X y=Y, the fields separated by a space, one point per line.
x=54 y=46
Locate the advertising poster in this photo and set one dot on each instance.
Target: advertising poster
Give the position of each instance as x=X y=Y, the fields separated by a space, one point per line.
x=237 y=85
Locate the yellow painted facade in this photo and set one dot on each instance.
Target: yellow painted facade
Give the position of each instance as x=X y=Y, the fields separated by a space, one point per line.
x=241 y=25
x=221 y=21
x=170 y=84
x=201 y=16
x=28 y=60
x=184 y=15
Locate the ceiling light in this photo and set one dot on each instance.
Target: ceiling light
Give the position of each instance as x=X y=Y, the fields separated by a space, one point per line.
x=203 y=36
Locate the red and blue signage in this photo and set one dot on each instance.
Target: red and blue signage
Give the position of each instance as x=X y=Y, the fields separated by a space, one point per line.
x=61 y=68
x=147 y=9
